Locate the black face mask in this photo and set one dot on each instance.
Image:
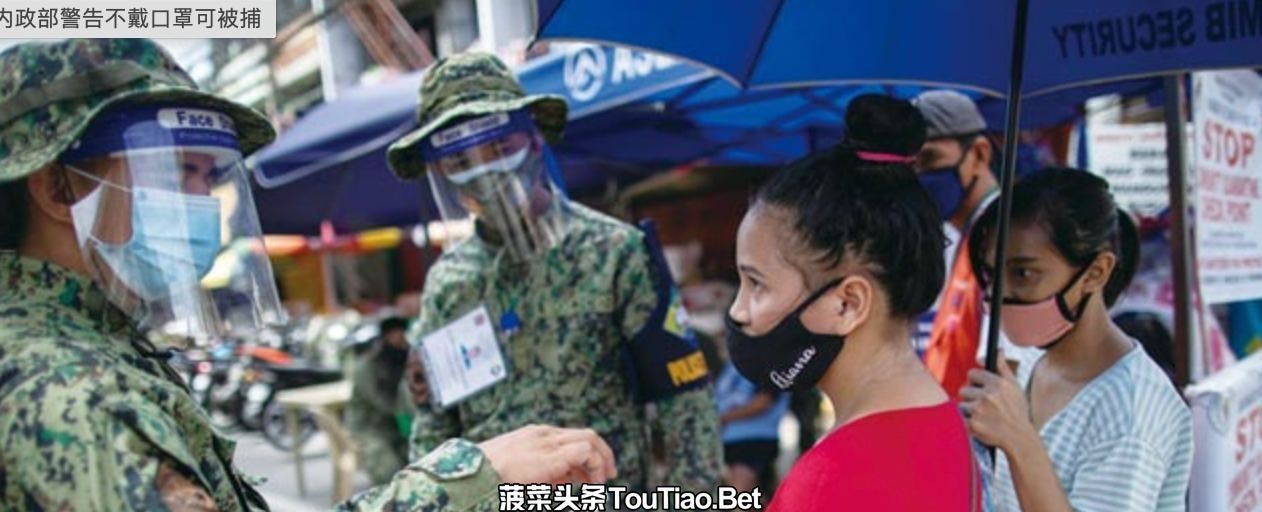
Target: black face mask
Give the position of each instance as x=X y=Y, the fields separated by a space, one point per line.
x=393 y=354
x=789 y=357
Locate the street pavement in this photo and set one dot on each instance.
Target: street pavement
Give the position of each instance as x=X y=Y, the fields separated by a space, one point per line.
x=255 y=456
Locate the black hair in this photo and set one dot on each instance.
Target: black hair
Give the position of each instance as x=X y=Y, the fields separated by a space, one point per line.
x=1152 y=334
x=13 y=214
x=872 y=213
x=1081 y=218
x=392 y=324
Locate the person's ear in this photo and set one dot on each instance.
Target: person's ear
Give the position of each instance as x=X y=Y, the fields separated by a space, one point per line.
x=1098 y=273
x=982 y=150
x=843 y=309
x=49 y=193
x=977 y=160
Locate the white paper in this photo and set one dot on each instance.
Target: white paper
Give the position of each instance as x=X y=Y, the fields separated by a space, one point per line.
x=462 y=358
x=1227 y=425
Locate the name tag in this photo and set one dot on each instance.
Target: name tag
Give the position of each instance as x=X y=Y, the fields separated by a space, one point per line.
x=462 y=358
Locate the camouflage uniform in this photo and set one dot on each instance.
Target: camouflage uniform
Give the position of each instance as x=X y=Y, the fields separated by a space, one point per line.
x=581 y=305
x=89 y=409
x=453 y=476
x=376 y=398
x=87 y=413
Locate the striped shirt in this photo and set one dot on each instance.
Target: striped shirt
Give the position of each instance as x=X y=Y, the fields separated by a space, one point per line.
x=1124 y=443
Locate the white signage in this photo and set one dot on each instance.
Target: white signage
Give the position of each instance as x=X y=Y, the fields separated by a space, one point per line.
x=1132 y=157
x=1227 y=107
x=1227 y=426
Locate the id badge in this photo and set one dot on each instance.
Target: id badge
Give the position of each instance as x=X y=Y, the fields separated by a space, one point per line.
x=462 y=358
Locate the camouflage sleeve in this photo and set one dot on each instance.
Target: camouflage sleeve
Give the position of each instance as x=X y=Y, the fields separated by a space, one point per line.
x=454 y=476
x=689 y=420
x=694 y=448
x=80 y=441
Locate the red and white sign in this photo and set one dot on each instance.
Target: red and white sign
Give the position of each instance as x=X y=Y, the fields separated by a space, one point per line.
x=1227 y=107
x=1227 y=424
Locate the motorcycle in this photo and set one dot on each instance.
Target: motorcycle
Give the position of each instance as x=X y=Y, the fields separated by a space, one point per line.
x=214 y=380
x=272 y=420
x=257 y=382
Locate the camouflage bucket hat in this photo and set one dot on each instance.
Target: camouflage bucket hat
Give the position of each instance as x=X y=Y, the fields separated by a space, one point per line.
x=51 y=91
x=465 y=85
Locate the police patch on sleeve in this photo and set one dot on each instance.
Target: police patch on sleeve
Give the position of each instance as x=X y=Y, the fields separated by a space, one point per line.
x=664 y=358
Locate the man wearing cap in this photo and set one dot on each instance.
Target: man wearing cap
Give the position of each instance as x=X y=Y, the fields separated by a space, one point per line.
x=120 y=184
x=955 y=167
x=580 y=311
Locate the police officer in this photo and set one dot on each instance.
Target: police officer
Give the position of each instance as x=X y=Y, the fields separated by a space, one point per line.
x=121 y=185
x=584 y=314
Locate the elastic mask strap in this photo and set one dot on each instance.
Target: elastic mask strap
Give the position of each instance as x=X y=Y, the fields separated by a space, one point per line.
x=67 y=190
x=814 y=296
x=99 y=181
x=1070 y=315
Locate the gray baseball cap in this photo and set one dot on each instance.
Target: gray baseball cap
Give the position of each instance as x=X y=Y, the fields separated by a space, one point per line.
x=949 y=114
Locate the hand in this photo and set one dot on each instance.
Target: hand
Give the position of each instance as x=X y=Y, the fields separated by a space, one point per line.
x=542 y=454
x=998 y=413
x=415 y=376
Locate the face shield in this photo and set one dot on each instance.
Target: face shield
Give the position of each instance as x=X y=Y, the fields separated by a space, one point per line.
x=168 y=204
x=492 y=172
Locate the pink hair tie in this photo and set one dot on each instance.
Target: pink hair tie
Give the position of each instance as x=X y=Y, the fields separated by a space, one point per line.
x=884 y=158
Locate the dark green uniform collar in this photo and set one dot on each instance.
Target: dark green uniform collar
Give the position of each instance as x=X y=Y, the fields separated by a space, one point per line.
x=37 y=282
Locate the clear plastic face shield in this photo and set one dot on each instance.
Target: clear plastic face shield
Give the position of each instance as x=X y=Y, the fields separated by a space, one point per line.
x=492 y=172
x=166 y=223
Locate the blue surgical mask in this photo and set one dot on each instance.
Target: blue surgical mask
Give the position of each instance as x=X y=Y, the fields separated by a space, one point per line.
x=944 y=186
x=174 y=242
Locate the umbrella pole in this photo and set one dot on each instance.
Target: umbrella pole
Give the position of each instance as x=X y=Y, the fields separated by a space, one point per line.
x=1181 y=240
x=1012 y=132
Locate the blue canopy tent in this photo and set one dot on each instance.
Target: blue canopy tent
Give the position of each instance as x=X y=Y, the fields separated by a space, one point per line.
x=631 y=114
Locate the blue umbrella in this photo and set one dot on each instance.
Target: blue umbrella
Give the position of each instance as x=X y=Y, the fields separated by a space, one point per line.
x=962 y=43
x=984 y=45
x=632 y=114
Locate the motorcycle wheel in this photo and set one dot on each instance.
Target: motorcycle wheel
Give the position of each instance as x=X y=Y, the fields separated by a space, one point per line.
x=276 y=427
x=222 y=405
x=254 y=401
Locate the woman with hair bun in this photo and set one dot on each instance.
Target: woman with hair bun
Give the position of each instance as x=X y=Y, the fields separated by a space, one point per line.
x=838 y=255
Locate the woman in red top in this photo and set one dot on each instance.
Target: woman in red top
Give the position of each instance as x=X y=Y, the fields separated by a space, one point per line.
x=844 y=248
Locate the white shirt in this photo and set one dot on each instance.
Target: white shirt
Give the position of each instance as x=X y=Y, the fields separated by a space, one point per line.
x=1123 y=443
